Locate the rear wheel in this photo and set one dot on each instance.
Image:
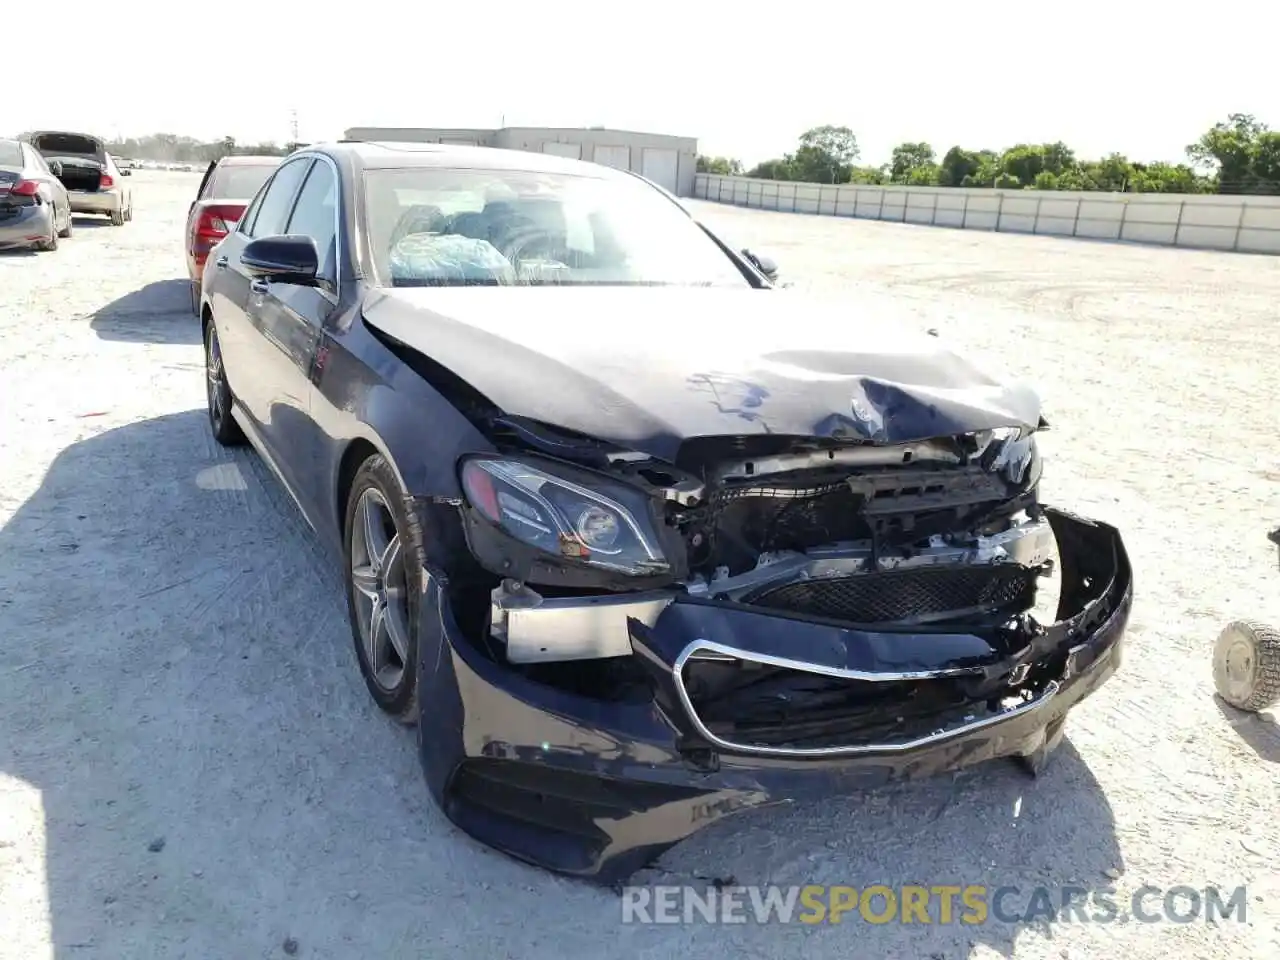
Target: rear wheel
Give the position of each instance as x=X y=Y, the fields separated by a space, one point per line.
x=52 y=243
x=117 y=217
x=65 y=232
x=222 y=424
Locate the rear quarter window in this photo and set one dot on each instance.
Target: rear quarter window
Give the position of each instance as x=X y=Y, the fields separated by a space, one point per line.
x=238 y=182
x=10 y=154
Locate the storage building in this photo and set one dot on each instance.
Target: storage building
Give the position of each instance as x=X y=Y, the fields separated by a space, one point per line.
x=668 y=161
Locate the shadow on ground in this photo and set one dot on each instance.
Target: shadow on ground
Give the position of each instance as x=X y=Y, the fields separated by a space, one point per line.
x=178 y=685
x=1259 y=730
x=160 y=312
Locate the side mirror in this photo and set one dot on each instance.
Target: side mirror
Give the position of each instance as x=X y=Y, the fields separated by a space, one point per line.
x=287 y=259
x=55 y=167
x=763 y=264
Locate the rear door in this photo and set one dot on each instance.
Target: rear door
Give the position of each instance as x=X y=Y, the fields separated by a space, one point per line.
x=235 y=296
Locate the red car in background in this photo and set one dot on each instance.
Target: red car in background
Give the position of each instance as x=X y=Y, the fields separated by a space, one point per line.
x=226 y=189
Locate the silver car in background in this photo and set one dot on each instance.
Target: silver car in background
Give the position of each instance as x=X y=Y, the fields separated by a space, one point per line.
x=35 y=210
x=93 y=181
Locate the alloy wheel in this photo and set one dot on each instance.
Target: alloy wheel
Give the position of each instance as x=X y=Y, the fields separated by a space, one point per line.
x=380 y=589
x=213 y=370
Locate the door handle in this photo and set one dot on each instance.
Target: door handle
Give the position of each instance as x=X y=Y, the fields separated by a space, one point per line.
x=220 y=262
x=258 y=286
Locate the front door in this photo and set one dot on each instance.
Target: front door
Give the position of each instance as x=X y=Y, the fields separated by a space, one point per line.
x=288 y=319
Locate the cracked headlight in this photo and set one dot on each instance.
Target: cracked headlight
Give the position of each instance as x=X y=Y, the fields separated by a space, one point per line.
x=603 y=525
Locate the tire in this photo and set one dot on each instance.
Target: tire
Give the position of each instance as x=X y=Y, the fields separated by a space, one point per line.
x=128 y=214
x=195 y=298
x=66 y=232
x=51 y=244
x=1246 y=665
x=117 y=217
x=218 y=396
x=389 y=664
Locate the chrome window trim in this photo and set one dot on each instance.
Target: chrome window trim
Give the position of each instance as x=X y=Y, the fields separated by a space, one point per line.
x=337 y=208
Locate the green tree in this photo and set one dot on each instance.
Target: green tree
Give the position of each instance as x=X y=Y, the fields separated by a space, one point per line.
x=1113 y=172
x=779 y=168
x=826 y=155
x=869 y=175
x=1230 y=148
x=724 y=166
x=911 y=158
x=957 y=165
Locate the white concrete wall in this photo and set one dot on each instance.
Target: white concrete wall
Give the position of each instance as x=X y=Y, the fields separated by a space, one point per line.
x=1220 y=222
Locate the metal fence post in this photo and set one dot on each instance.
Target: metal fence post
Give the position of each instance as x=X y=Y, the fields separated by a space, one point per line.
x=855 y=204
x=906 y=202
x=1075 y=224
x=795 y=190
x=933 y=214
x=1035 y=221
x=964 y=212
x=880 y=212
x=1244 y=205
x=1177 y=229
x=1124 y=214
x=999 y=211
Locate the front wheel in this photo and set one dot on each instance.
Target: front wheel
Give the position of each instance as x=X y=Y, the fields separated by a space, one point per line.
x=1246 y=665
x=383 y=571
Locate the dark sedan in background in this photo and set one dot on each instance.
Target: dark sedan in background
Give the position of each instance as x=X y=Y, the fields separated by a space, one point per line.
x=635 y=538
x=35 y=210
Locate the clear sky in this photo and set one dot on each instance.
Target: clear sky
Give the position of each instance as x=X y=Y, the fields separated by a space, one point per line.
x=745 y=78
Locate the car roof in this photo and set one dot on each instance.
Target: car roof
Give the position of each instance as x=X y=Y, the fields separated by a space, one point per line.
x=371 y=155
x=243 y=160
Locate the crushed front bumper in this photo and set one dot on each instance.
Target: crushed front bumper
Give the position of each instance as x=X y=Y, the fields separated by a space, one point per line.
x=600 y=787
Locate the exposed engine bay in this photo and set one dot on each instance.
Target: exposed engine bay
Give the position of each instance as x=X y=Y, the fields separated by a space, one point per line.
x=946 y=531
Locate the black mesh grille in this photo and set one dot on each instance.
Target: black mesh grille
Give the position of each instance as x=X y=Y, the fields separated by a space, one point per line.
x=747 y=704
x=906 y=594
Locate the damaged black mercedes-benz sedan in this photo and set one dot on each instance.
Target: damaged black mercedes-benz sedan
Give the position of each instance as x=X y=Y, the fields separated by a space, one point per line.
x=637 y=540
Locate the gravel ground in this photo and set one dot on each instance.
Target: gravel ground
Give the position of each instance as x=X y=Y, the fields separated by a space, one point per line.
x=190 y=767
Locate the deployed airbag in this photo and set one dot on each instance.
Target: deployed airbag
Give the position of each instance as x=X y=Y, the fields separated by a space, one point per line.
x=429 y=259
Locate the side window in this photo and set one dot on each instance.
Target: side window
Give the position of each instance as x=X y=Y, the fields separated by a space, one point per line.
x=277 y=198
x=35 y=160
x=245 y=227
x=313 y=216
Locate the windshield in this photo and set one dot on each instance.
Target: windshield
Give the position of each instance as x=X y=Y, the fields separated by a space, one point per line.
x=430 y=226
x=238 y=181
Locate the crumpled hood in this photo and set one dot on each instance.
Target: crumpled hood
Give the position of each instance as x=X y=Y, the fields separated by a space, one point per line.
x=648 y=367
